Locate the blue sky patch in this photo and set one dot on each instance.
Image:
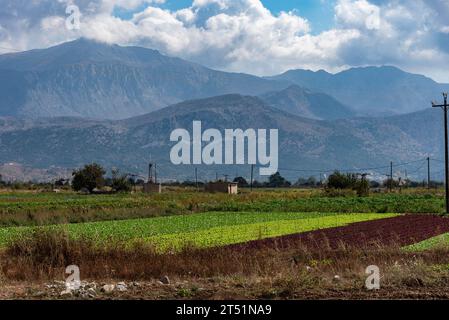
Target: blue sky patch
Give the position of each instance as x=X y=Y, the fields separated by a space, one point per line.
x=319 y=13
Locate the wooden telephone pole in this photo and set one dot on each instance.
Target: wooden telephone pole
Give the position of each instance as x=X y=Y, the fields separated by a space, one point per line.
x=196 y=179
x=252 y=177
x=445 y=106
x=391 y=176
x=150 y=173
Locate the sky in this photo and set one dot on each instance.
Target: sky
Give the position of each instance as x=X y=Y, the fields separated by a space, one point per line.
x=320 y=14
x=262 y=37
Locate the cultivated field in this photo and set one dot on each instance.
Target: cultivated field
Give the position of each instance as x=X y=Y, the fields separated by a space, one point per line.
x=187 y=244
x=200 y=230
x=36 y=208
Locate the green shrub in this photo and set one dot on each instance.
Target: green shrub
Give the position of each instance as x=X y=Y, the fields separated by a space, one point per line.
x=90 y=178
x=349 y=181
x=120 y=183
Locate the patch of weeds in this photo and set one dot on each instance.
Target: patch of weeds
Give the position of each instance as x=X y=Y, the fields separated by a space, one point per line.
x=320 y=263
x=185 y=293
x=269 y=294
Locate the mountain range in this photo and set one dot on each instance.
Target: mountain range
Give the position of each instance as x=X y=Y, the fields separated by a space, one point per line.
x=84 y=78
x=85 y=101
x=87 y=79
x=371 y=90
x=304 y=144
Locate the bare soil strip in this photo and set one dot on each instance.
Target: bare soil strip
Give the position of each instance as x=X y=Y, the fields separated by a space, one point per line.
x=403 y=230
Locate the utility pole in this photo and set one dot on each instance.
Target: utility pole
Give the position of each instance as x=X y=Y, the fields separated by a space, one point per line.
x=391 y=176
x=252 y=175
x=428 y=172
x=155 y=173
x=196 y=179
x=150 y=173
x=445 y=106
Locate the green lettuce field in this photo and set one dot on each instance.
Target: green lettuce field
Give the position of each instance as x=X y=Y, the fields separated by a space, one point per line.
x=201 y=230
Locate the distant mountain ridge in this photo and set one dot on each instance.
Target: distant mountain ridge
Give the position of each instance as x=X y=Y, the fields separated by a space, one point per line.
x=84 y=101
x=304 y=144
x=302 y=102
x=371 y=90
x=89 y=79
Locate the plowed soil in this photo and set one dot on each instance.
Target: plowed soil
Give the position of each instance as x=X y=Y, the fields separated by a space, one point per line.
x=403 y=230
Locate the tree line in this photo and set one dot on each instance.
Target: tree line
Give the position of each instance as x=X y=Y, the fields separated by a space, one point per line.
x=92 y=178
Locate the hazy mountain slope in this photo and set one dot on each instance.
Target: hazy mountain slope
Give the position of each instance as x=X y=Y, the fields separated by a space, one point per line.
x=89 y=79
x=372 y=90
x=304 y=143
x=303 y=102
x=423 y=131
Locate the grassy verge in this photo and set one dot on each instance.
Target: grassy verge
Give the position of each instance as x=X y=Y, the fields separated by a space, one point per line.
x=293 y=273
x=441 y=241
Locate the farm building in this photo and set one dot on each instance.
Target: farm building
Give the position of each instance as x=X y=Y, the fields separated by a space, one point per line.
x=151 y=187
x=222 y=187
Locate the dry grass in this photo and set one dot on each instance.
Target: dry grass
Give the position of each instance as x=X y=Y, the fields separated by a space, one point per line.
x=261 y=272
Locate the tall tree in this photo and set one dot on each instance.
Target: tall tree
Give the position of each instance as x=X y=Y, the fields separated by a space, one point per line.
x=90 y=177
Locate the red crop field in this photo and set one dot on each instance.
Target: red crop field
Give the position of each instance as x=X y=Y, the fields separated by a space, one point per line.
x=403 y=230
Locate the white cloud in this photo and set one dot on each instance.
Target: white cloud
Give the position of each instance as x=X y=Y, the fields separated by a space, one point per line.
x=407 y=35
x=233 y=35
x=358 y=14
x=244 y=36
x=445 y=29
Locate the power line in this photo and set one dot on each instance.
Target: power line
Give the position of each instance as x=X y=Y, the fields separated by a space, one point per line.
x=438 y=172
x=445 y=107
x=348 y=170
x=417 y=170
x=318 y=172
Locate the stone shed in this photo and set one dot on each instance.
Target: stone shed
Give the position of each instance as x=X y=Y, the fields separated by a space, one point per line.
x=222 y=187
